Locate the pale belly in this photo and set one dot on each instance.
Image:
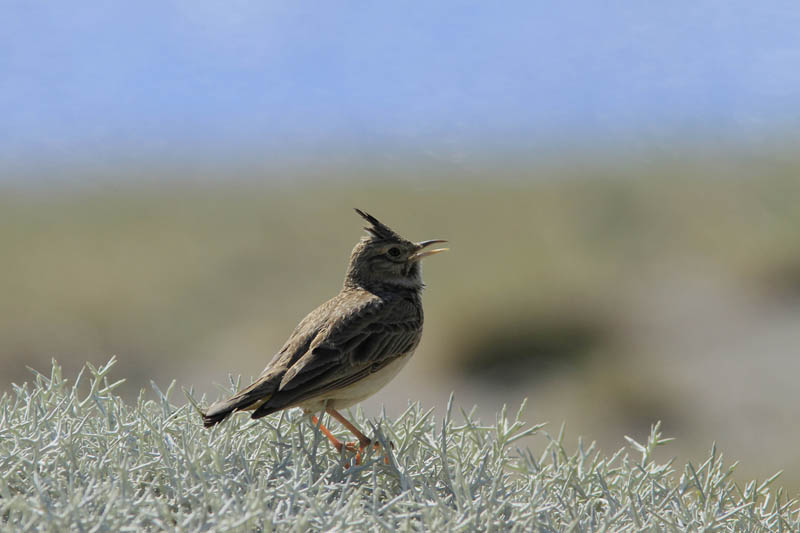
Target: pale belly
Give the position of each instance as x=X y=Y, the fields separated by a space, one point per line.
x=360 y=390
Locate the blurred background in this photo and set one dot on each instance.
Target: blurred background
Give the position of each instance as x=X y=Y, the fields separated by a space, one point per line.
x=620 y=185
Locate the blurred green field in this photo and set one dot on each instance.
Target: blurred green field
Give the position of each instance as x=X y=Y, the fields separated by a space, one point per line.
x=540 y=295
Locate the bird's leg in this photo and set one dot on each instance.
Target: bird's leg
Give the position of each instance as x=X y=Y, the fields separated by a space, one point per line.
x=363 y=441
x=325 y=431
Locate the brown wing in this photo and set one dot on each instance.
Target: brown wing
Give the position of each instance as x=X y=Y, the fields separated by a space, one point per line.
x=356 y=344
x=310 y=328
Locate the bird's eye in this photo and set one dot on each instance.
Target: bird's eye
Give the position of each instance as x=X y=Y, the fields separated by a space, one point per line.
x=394 y=251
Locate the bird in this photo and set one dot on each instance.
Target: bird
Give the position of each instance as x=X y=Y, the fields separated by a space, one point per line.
x=349 y=347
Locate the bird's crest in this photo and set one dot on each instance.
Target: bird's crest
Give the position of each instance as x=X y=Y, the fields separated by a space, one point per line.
x=378 y=230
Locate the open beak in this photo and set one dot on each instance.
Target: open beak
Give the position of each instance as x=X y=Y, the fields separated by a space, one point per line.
x=424 y=244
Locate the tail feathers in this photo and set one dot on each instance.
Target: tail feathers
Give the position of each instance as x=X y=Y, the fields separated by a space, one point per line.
x=215 y=415
x=248 y=399
x=221 y=410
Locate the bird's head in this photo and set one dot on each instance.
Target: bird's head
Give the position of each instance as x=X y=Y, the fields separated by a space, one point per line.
x=384 y=258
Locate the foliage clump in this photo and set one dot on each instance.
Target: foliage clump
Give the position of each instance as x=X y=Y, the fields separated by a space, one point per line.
x=77 y=457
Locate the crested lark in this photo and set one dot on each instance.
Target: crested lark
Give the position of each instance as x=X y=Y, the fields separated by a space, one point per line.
x=352 y=345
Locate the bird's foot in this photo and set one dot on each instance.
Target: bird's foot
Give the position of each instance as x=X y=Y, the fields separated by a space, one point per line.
x=359 y=447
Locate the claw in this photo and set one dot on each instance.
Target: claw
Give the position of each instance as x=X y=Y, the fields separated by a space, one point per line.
x=359 y=447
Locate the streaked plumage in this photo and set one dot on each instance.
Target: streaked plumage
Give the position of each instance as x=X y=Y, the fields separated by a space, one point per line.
x=350 y=346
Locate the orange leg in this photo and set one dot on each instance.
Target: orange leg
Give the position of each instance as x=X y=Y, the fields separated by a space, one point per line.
x=357 y=447
x=349 y=446
x=363 y=441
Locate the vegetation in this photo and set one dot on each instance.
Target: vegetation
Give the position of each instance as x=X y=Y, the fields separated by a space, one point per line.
x=77 y=457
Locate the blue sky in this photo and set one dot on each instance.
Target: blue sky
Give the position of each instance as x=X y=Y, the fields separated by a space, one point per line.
x=99 y=81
